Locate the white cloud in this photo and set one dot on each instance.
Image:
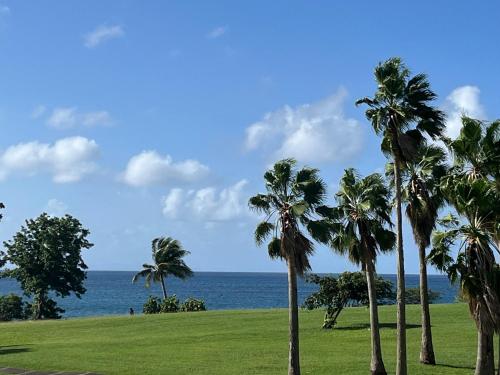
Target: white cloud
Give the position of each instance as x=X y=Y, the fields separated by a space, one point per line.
x=217 y=32
x=38 y=111
x=150 y=168
x=463 y=100
x=55 y=207
x=67 y=160
x=317 y=132
x=70 y=117
x=102 y=34
x=207 y=204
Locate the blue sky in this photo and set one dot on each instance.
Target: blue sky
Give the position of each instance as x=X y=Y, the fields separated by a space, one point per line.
x=159 y=118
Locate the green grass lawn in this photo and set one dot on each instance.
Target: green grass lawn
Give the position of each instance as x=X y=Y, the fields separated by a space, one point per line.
x=233 y=342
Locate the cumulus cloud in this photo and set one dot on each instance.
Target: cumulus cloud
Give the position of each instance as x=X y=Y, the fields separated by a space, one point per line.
x=317 y=132
x=150 y=168
x=463 y=100
x=70 y=117
x=67 y=160
x=102 y=34
x=217 y=32
x=55 y=207
x=207 y=204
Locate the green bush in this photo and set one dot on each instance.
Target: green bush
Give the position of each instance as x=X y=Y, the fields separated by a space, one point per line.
x=170 y=304
x=152 y=305
x=12 y=307
x=412 y=296
x=193 y=304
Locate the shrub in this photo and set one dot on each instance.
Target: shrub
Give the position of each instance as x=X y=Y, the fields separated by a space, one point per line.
x=193 y=304
x=152 y=305
x=412 y=296
x=170 y=304
x=12 y=307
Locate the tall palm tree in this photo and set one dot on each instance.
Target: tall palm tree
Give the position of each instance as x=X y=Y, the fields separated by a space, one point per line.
x=400 y=112
x=360 y=231
x=422 y=195
x=290 y=206
x=167 y=255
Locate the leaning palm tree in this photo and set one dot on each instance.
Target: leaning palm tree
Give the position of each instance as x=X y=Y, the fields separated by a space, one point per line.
x=167 y=255
x=361 y=222
x=401 y=114
x=423 y=198
x=290 y=206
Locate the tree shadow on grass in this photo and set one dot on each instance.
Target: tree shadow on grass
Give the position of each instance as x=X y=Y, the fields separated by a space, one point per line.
x=354 y=327
x=13 y=349
x=454 y=366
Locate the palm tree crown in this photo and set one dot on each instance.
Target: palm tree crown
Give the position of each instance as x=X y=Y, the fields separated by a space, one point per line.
x=361 y=218
x=399 y=102
x=167 y=255
x=290 y=203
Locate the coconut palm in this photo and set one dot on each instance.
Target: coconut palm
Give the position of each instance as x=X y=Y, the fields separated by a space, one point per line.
x=423 y=198
x=361 y=222
x=167 y=255
x=400 y=112
x=290 y=206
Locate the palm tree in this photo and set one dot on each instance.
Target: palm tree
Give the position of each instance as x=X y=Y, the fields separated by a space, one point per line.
x=421 y=193
x=474 y=267
x=290 y=205
x=360 y=222
x=473 y=188
x=401 y=114
x=167 y=255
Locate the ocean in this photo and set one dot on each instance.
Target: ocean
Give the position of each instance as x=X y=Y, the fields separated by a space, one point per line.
x=112 y=292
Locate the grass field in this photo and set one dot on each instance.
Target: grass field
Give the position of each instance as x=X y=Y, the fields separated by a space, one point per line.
x=232 y=342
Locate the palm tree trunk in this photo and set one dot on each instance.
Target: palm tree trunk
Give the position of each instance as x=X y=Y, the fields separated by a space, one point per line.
x=485 y=363
x=498 y=373
x=377 y=364
x=293 y=318
x=164 y=290
x=401 y=361
x=426 y=349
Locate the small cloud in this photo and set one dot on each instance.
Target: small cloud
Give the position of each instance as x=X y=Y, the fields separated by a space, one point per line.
x=464 y=100
x=67 y=160
x=70 y=117
x=38 y=111
x=150 y=168
x=217 y=32
x=311 y=133
x=207 y=204
x=102 y=34
x=55 y=207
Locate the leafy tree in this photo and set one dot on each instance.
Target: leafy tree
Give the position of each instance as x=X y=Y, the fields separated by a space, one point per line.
x=400 y=112
x=348 y=289
x=46 y=254
x=12 y=307
x=413 y=296
x=423 y=198
x=290 y=206
x=167 y=256
x=360 y=230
